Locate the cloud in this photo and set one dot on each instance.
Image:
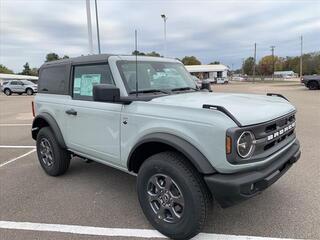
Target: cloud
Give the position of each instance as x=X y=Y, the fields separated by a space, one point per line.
x=211 y=30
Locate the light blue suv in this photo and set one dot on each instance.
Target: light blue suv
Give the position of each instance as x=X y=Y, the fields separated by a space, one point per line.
x=19 y=86
x=146 y=117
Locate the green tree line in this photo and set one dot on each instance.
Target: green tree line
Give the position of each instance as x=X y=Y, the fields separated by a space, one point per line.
x=311 y=64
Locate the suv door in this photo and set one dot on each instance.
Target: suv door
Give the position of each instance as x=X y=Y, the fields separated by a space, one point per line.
x=14 y=86
x=93 y=127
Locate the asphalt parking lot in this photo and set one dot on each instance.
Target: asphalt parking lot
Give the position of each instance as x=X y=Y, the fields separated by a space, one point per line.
x=91 y=194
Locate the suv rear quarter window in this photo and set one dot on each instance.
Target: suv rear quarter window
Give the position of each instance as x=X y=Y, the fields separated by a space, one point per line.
x=85 y=76
x=54 y=80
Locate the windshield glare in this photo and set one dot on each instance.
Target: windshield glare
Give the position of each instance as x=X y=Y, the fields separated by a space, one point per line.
x=155 y=76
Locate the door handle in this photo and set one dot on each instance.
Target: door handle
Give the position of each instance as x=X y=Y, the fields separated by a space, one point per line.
x=71 y=112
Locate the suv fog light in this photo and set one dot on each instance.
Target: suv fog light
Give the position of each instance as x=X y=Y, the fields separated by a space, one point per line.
x=245 y=144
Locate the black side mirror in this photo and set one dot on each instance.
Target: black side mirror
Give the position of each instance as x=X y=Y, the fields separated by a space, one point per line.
x=106 y=93
x=206 y=85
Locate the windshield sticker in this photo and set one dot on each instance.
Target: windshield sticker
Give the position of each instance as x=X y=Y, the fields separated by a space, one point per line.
x=87 y=82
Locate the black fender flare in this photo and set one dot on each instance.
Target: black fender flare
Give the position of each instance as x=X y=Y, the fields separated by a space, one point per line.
x=51 y=122
x=200 y=162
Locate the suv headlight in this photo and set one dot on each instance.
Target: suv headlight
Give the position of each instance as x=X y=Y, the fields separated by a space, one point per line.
x=246 y=144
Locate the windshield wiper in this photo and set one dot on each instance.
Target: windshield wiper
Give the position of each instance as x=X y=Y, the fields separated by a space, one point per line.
x=183 y=89
x=150 y=91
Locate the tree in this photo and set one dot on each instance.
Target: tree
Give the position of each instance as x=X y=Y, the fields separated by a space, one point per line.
x=34 y=72
x=52 y=57
x=190 y=60
x=248 y=66
x=153 y=54
x=136 y=52
x=4 y=69
x=214 y=63
x=65 y=57
x=266 y=65
x=26 y=69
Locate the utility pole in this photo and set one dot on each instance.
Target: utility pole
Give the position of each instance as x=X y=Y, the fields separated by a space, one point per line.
x=97 y=21
x=89 y=27
x=301 y=45
x=164 y=17
x=242 y=70
x=272 y=52
x=254 y=62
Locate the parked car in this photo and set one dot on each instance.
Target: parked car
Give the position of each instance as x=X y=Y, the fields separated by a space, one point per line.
x=19 y=86
x=222 y=80
x=240 y=79
x=312 y=81
x=184 y=145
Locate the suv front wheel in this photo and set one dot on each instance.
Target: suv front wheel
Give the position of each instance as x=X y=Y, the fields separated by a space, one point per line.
x=52 y=157
x=172 y=195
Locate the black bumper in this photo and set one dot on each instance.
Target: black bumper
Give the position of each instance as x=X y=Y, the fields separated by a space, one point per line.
x=229 y=189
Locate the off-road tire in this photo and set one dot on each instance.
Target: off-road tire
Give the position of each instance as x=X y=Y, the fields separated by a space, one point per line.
x=7 y=92
x=197 y=199
x=60 y=157
x=29 y=91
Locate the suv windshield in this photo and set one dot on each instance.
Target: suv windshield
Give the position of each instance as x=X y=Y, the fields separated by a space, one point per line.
x=157 y=77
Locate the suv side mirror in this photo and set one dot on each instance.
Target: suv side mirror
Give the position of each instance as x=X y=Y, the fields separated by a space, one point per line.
x=106 y=93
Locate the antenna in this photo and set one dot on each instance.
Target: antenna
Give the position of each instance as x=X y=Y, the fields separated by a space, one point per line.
x=136 y=53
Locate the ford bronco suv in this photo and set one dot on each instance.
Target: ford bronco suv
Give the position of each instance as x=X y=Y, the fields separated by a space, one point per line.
x=145 y=116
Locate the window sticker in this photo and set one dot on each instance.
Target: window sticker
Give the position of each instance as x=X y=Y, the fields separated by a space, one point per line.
x=87 y=82
x=77 y=85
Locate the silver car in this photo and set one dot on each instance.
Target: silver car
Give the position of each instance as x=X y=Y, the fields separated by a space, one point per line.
x=19 y=86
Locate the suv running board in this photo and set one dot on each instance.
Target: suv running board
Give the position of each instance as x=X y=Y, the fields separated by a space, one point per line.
x=222 y=109
x=278 y=95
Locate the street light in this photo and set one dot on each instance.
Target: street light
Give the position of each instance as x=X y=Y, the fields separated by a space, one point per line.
x=164 y=17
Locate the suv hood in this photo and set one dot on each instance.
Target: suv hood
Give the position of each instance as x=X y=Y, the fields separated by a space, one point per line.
x=248 y=109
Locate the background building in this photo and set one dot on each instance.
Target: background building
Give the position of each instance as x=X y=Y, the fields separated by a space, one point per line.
x=210 y=72
x=5 y=77
x=285 y=74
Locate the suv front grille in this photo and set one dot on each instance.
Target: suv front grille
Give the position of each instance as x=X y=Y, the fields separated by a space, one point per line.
x=270 y=137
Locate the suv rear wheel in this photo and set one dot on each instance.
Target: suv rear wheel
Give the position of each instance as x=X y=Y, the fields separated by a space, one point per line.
x=172 y=195
x=313 y=85
x=29 y=91
x=7 y=92
x=53 y=158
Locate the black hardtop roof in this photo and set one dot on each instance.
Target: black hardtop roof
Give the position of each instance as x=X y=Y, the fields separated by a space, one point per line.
x=80 y=60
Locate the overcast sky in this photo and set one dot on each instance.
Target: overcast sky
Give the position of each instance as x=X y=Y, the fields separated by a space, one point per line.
x=211 y=30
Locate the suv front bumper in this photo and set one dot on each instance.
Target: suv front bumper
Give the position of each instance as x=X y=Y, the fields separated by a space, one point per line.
x=229 y=189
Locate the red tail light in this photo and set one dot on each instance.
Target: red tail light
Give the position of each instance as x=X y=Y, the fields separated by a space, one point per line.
x=32 y=104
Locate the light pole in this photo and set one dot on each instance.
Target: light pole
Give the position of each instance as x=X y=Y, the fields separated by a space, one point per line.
x=97 y=21
x=164 y=17
x=89 y=27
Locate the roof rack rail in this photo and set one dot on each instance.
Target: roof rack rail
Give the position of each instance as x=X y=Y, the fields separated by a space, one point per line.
x=278 y=95
x=222 y=109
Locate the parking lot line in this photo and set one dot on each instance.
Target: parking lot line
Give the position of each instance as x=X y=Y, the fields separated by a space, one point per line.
x=116 y=232
x=14 y=159
x=14 y=124
x=10 y=146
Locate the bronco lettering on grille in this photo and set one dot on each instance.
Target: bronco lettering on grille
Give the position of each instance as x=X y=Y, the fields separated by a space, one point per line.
x=281 y=131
